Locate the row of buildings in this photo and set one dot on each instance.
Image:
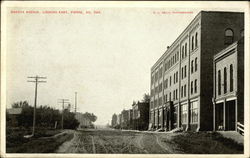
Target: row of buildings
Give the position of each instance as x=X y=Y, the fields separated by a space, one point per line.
x=136 y=118
x=198 y=83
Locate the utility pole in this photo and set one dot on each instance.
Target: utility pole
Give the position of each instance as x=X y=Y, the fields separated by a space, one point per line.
x=36 y=81
x=75 y=101
x=63 y=101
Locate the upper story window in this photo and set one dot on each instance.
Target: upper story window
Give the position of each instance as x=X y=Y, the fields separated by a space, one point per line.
x=229 y=36
x=231 y=78
x=225 y=80
x=192 y=46
x=176 y=76
x=182 y=52
x=177 y=56
x=156 y=76
x=185 y=88
x=160 y=73
x=192 y=87
x=176 y=91
x=181 y=91
x=195 y=64
x=185 y=49
x=170 y=80
x=195 y=86
x=185 y=74
x=182 y=73
x=192 y=66
x=196 y=40
x=152 y=79
x=219 y=82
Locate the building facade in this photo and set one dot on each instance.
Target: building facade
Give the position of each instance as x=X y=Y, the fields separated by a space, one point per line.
x=114 y=120
x=181 y=80
x=140 y=115
x=228 y=96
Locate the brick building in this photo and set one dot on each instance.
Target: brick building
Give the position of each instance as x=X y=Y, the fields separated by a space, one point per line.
x=140 y=115
x=182 y=78
x=228 y=96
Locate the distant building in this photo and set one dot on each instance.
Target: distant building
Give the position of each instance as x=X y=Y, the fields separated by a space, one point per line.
x=228 y=96
x=140 y=115
x=130 y=119
x=182 y=78
x=124 y=119
x=12 y=116
x=84 y=122
x=114 y=120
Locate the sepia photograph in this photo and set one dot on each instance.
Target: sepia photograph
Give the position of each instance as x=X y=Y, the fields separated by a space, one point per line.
x=164 y=79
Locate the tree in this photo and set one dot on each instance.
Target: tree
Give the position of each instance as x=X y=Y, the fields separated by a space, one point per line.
x=146 y=98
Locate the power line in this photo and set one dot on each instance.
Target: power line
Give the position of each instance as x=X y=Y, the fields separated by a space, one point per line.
x=75 y=101
x=36 y=81
x=63 y=101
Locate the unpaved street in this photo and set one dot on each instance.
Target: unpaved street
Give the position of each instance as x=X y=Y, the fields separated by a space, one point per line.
x=116 y=141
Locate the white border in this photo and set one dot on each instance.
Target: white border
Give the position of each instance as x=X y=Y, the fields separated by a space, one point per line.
x=120 y=4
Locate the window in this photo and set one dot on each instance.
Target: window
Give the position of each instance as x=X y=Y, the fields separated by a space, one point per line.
x=182 y=73
x=175 y=117
x=177 y=56
x=185 y=71
x=156 y=76
x=176 y=76
x=231 y=78
x=169 y=96
x=225 y=80
x=229 y=35
x=166 y=97
x=160 y=101
x=174 y=95
x=160 y=87
x=184 y=113
x=219 y=82
x=185 y=88
x=196 y=40
x=192 y=66
x=196 y=65
x=176 y=91
x=192 y=87
x=160 y=73
x=167 y=83
x=195 y=86
x=192 y=42
x=182 y=52
x=181 y=91
x=170 y=79
x=194 y=112
x=185 y=49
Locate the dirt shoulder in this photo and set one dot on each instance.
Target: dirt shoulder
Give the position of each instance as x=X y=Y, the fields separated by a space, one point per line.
x=43 y=143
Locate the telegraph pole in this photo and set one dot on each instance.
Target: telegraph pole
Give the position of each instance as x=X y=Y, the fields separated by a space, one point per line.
x=36 y=81
x=75 y=101
x=63 y=101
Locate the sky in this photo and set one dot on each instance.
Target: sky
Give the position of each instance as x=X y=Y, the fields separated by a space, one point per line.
x=105 y=58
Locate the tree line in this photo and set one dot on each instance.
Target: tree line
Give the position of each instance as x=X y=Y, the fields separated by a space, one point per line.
x=46 y=117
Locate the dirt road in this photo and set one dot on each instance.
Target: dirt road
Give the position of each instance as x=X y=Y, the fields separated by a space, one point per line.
x=116 y=141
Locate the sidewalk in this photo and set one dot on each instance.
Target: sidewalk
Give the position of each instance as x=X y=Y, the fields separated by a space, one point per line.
x=233 y=135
